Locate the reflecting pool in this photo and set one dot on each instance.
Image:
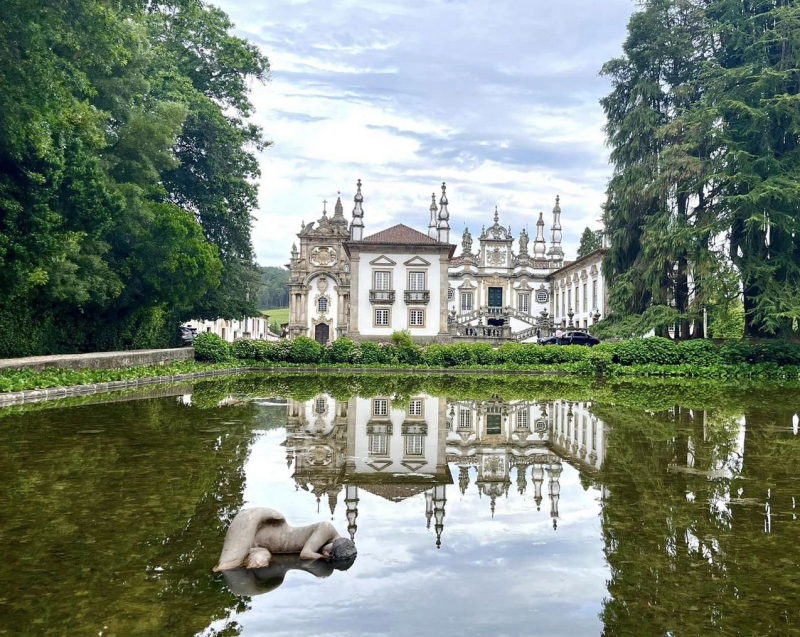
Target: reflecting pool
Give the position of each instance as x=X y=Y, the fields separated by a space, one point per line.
x=478 y=506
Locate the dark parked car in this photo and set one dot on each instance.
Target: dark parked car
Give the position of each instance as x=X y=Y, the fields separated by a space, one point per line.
x=572 y=338
x=187 y=334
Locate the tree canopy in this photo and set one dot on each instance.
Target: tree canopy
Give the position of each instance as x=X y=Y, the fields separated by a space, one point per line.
x=703 y=125
x=590 y=241
x=127 y=171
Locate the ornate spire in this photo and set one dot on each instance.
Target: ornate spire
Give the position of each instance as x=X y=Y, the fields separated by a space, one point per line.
x=324 y=207
x=357 y=226
x=443 y=227
x=433 y=223
x=496 y=216
x=556 y=253
x=540 y=245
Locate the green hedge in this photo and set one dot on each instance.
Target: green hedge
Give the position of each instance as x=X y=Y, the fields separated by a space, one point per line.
x=403 y=352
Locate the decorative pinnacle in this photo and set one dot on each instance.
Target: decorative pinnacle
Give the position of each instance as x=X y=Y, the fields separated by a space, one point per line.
x=359 y=197
x=443 y=200
x=496 y=215
x=324 y=205
x=433 y=207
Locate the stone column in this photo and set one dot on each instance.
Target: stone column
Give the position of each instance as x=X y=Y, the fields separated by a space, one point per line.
x=354 y=292
x=444 y=285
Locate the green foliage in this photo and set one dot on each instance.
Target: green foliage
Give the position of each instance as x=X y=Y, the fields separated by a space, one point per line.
x=305 y=350
x=698 y=352
x=726 y=321
x=343 y=350
x=656 y=318
x=371 y=353
x=641 y=351
x=704 y=143
x=210 y=347
x=590 y=241
x=126 y=171
x=274 y=290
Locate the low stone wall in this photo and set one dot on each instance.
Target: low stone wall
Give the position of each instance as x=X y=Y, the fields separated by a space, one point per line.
x=101 y=360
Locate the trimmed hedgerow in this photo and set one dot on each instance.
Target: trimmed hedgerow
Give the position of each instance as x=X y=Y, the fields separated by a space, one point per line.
x=211 y=348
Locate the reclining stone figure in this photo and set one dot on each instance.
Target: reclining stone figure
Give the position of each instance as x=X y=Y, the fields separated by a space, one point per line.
x=255 y=535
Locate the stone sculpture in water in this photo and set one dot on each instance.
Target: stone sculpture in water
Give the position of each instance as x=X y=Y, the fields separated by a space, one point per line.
x=255 y=535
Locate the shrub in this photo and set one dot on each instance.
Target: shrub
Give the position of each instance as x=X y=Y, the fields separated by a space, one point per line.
x=734 y=352
x=305 y=350
x=371 y=353
x=210 y=347
x=641 y=351
x=244 y=349
x=404 y=350
x=343 y=350
x=601 y=357
x=698 y=352
x=484 y=354
x=779 y=352
x=435 y=356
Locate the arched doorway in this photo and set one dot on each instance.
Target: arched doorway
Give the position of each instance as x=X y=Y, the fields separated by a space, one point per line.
x=321 y=333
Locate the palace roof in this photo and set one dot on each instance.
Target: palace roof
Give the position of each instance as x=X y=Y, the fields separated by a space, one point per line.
x=401 y=234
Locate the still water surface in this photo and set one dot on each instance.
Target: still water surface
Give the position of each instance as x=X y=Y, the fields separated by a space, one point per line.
x=496 y=508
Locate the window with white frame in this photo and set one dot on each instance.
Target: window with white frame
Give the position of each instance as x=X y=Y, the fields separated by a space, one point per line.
x=322 y=304
x=464 y=419
x=524 y=304
x=466 y=301
x=414 y=445
x=522 y=419
x=382 y=280
x=319 y=406
x=416 y=318
x=585 y=299
x=379 y=444
x=563 y=304
x=416 y=281
x=569 y=299
x=541 y=296
x=382 y=318
x=415 y=407
x=380 y=407
x=594 y=294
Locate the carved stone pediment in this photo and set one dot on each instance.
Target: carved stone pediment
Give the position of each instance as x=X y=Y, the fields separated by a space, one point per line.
x=323 y=256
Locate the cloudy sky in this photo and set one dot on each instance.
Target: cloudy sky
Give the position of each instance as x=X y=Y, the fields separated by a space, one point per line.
x=499 y=99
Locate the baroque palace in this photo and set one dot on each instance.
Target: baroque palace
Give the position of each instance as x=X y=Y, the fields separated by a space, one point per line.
x=345 y=283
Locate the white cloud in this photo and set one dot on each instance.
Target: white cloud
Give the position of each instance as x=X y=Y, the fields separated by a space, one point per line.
x=498 y=99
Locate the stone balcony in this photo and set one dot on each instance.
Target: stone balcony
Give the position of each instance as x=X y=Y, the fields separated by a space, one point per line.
x=381 y=297
x=417 y=296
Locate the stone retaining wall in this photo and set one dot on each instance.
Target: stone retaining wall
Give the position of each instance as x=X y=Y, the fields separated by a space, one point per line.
x=101 y=360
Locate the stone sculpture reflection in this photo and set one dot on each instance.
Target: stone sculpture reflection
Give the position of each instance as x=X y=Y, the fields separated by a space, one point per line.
x=249 y=582
x=255 y=535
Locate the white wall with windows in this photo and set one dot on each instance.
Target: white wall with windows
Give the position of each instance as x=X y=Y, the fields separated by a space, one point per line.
x=322 y=308
x=397 y=438
x=580 y=286
x=384 y=278
x=256 y=327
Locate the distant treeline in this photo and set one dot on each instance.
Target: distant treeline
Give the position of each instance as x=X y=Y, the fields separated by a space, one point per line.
x=274 y=291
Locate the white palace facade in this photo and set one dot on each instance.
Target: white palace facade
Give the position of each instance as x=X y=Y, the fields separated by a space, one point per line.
x=346 y=283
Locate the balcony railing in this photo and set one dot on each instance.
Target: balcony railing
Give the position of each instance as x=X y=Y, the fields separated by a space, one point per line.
x=385 y=297
x=417 y=296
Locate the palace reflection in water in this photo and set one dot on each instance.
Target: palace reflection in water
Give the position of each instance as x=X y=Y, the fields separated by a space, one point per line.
x=397 y=449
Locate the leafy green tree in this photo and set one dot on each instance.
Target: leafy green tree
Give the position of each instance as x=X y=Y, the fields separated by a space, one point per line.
x=590 y=241
x=274 y=291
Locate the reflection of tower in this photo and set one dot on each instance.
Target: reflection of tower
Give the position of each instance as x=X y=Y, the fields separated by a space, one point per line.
x=537 y=473
x=463 y=478
x=522 y=482
x=554 y=490
x=428 y=508
x=439 y=500
x=351 y=502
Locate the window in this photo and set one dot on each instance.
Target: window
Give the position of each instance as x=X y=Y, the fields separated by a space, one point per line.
x=466 y=301
x=382 y=280
x=522 y=419
x=594 y=294
x=557 y=305
x=416 y=318
x=524 y=304
x=569 y=299
x=451 y=294
x=563 y=304
x=380 y=407
x=541 y=296
x=319 y=406
x=415 y=407
x=585 y=299
x=416 y=281
x=379 y=444
x=382 y=318
x=322 y=304
x=464 y=419
x=414 y=445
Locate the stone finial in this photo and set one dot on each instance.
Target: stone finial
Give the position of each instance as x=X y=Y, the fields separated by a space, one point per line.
x=324 y=207
x=496 y=216
x=443 y=227
x=357 y=226
x=433 y=222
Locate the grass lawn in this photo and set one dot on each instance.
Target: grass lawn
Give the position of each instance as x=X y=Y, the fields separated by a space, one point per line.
x=277 y=315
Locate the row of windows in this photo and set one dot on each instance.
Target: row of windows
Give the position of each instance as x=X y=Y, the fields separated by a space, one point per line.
x=379 y=444
x=523 y=300
x=566 y=300
x=383 y=317
x=382 y=280
x=465 y=419
x=380 y=407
